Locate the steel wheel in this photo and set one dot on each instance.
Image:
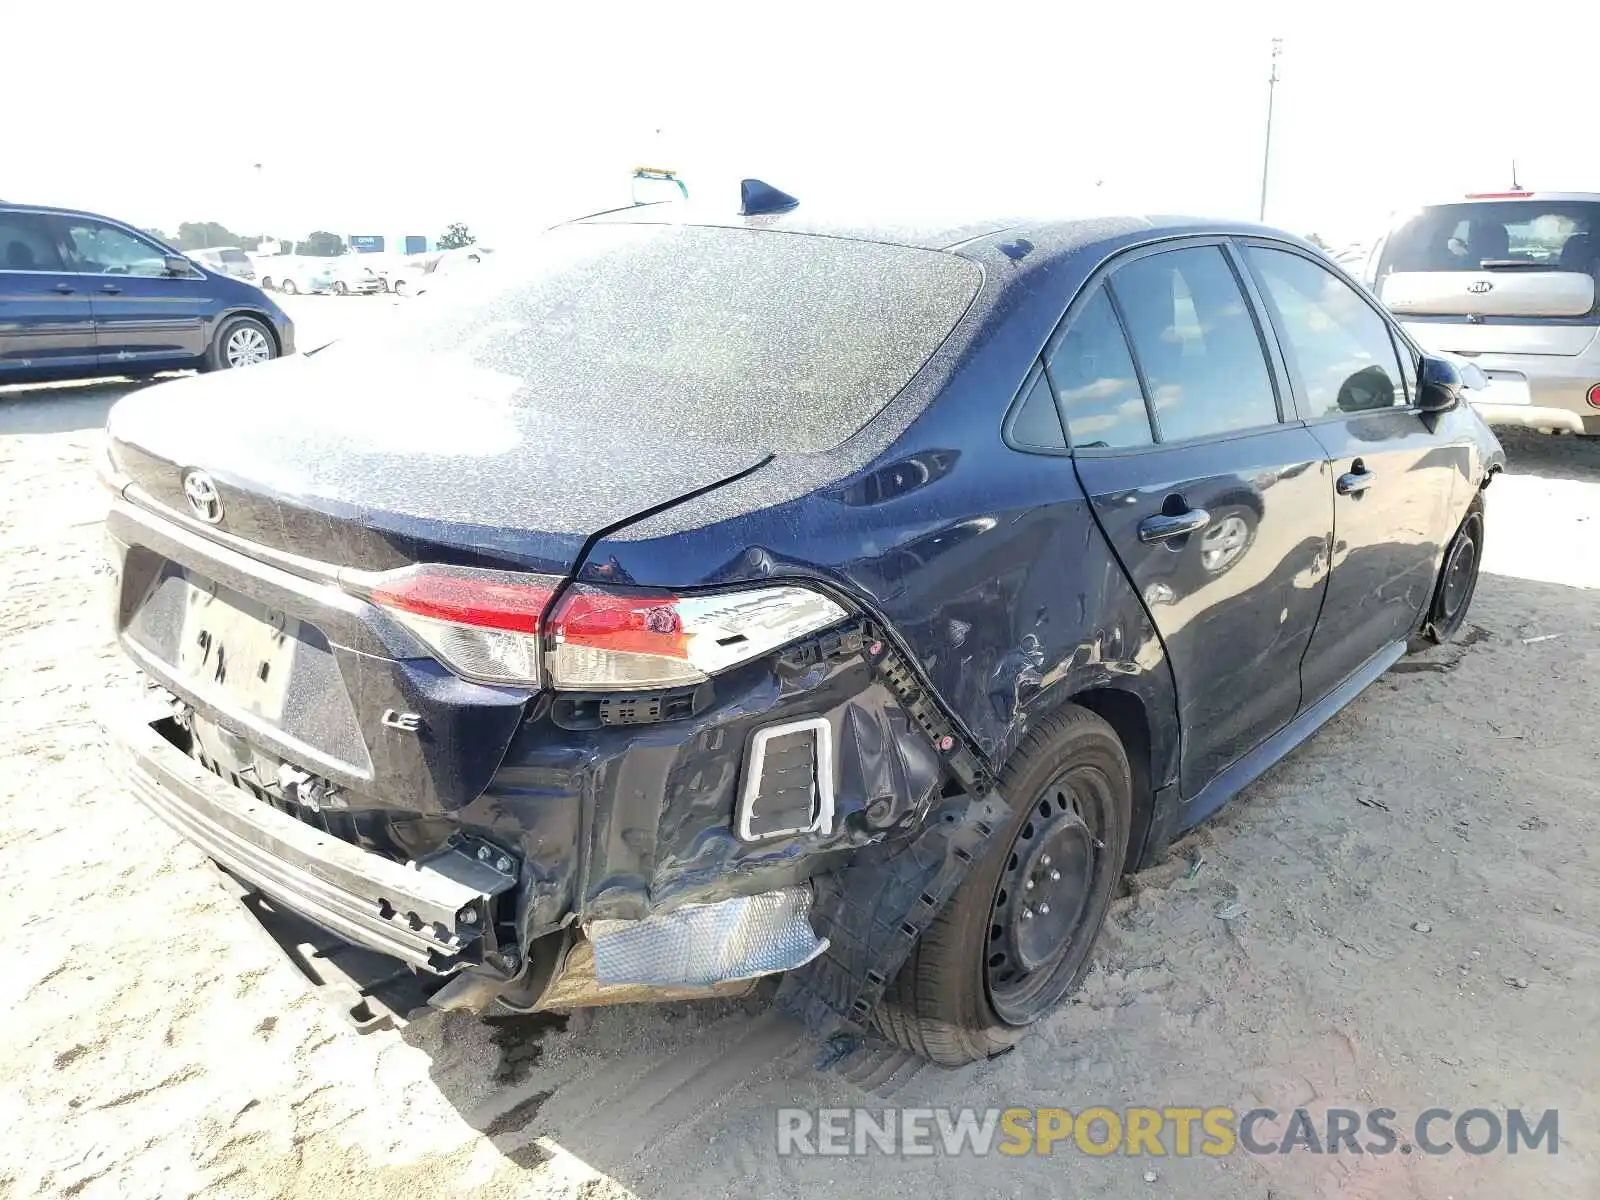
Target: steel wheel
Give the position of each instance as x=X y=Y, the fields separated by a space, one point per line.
x=246 y=346
x=1056 y=863
x=1458 y=578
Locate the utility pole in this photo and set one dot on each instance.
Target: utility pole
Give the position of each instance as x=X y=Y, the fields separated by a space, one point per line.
x=1266 y=157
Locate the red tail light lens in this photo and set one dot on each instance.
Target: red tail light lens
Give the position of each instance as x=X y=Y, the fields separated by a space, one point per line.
x=481 y=624
x=1594 y=396
x=492 y=626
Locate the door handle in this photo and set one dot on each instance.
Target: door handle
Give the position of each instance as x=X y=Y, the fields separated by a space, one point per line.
x=1163 y=527
x=64 y=288
x=1358 y=480
x=111 y=289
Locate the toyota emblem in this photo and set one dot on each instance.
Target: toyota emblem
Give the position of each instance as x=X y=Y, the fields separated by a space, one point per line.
x=1479 y=286
x=205 y=501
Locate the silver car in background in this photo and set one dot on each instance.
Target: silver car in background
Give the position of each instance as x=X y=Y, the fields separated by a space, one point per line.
x=1508 y=281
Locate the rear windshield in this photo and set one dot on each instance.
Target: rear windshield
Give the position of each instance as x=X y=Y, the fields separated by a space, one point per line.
x=740 y=337
x=233 y=257
x=1556 y=235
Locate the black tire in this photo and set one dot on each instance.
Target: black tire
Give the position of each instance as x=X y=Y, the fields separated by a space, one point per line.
x=952 y=1001
x=266 y=283
x=225 y=351
x=1458 y=578
x=289 y=287
x=339 y=288
x=401 y=288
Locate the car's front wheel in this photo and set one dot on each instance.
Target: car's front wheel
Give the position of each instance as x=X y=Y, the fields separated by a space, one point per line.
x=241 y=342
x=401 y=287
x=1015 y=939
x=339 y=288
x=289 y=287
x=1458 y=578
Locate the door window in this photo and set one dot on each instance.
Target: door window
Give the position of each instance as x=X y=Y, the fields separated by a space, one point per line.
x=1196 y=343
x=1096 y=383
x=1341 y=346
x=26 y=243
x=105 y=250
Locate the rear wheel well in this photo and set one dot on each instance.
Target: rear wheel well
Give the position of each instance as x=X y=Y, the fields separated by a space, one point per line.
x=1124 y=712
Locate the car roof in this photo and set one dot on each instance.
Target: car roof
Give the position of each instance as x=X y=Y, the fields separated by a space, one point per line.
x=1516 y=196
x=971 y=235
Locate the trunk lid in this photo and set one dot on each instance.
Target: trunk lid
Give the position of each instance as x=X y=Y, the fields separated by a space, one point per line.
x=374 y=462
x=1495 y=293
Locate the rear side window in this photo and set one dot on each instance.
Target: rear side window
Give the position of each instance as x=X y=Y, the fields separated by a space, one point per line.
x=1196 y=343
x=1509 y=234
x=1096 y=383
x=26 y=243
x=1036 y=424
x=1342 y=349
x=234 y=258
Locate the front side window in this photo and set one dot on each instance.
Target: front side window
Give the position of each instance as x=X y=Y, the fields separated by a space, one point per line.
x=1196 y=343
x=1096 y=382
x=105 y=250
x=1342 y=348
x=26 y=243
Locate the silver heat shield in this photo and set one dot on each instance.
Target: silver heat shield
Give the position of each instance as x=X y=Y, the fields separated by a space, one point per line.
x=700 y=945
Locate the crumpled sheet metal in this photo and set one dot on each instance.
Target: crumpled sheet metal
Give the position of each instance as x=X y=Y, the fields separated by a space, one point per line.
x=700 y=945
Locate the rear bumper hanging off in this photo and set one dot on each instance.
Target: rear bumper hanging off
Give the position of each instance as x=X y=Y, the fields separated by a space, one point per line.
x=431 y=914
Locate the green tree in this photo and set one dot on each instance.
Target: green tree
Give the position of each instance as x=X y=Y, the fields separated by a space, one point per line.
x=455 y=236
x=201 y=235
x=157 y=234
x=321 y=244
x=1316 y=240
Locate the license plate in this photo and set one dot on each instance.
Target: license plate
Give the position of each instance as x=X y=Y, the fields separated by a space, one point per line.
x=1503 y=390
x=243 y=652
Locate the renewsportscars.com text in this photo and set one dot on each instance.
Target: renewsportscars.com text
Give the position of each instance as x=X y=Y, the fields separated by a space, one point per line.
x=1158 y=1132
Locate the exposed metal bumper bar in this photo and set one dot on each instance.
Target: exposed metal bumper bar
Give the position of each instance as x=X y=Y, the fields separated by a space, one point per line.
x=416 y=913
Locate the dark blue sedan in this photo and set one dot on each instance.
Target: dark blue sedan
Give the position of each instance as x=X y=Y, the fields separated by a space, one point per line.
x=714 y=596
x=82 y=295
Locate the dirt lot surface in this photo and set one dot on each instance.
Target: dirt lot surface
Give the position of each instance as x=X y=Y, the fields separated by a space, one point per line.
x=1418 y=923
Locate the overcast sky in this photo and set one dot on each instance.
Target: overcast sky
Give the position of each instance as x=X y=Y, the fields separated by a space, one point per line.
x=393 y=118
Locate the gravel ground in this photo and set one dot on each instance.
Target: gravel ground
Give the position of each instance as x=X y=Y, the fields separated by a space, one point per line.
x=1418 y=923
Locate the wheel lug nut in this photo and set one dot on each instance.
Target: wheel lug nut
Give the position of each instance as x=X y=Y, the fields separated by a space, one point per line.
x=1054 y=875
x=1045 y=860
x=1027 y=914
x=1028 y=885
x=1044 y=910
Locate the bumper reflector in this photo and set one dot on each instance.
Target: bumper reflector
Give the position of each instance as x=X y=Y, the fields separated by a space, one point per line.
x=788 y=781
x=700 y=945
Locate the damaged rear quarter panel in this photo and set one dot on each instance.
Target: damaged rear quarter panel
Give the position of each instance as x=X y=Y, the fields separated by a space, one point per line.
x=984 y=561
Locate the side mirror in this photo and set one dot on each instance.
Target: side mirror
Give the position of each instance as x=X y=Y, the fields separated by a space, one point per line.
x=1442 y=385
x=176 y=264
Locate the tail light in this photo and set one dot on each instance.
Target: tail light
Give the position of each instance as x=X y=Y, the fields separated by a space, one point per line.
x=494 y=626
x=1594 y=396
